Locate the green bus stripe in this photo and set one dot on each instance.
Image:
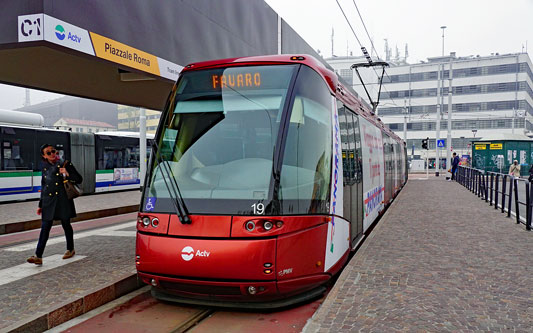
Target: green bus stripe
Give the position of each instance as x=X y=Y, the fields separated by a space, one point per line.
x=20 y=174
x=103 y=171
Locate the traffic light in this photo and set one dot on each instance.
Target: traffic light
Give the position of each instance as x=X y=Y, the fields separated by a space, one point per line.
x=425 y=143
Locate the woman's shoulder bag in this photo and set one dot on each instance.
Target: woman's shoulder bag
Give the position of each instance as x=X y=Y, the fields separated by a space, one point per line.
x=73 y=191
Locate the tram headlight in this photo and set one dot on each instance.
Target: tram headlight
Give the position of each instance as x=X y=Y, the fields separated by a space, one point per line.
x=250 y=226
x=155 y=222
x=252 y=290
x=146 y=221
x=268 y=225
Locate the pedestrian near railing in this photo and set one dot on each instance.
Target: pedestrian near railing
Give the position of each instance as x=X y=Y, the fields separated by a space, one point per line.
x=501 y=191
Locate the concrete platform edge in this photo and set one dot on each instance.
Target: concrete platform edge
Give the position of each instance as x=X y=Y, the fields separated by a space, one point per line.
x=36 y=224
x=311 y=325
x=76 y=307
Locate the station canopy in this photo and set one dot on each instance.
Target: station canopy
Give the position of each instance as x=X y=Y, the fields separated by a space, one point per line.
x=130 y=51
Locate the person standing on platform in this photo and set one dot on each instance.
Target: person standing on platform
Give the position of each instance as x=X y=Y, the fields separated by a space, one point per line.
x=514 y=169
x=530 y=179
x=455 y=164
x=54 y=203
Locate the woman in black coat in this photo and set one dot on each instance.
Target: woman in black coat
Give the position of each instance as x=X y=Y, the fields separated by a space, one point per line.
x=54 y=203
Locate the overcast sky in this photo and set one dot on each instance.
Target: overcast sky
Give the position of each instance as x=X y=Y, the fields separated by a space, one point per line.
x=474 y=27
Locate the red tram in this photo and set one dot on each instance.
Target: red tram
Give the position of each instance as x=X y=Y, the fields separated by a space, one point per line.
x=265 y=174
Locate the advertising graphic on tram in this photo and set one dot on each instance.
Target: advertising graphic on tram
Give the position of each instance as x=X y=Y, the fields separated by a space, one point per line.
x=337 y=242
x=373 y=172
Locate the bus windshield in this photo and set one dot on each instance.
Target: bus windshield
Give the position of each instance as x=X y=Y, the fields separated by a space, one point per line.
x=219 y=138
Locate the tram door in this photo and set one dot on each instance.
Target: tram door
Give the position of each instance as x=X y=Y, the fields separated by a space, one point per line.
x=352 y=172
x=357 y=185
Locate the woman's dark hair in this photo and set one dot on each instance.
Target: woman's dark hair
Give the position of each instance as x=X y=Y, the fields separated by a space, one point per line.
x=43 y=147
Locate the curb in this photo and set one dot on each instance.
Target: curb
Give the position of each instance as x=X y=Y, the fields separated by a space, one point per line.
x=71 y=309
x=36 y=224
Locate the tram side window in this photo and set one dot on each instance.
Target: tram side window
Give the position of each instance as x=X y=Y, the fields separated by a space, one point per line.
x=357 y=162
x=17 y=149
x=344 y=143
x=350 y=158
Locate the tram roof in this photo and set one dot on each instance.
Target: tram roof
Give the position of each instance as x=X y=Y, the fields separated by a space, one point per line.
x=344 y=93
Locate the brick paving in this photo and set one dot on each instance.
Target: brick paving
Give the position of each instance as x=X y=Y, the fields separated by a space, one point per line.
x=108 y=259
x=20 y=216
x=440 y=260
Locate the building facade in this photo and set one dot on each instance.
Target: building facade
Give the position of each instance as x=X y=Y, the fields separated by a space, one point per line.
x=492 y=93
x=128 y=119
x=82 y=126
x=74 y=108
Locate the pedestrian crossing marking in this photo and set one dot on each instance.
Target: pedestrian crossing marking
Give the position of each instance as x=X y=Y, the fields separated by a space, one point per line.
x=22 y=271
x=109 y=231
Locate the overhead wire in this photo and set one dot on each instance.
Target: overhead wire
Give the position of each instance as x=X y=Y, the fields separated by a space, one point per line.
x=348 y=21
x=373 y=48
x=359 y=42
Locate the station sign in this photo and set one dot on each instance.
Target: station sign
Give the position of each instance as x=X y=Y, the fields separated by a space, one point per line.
x=67 y=35
x=42 y=27
x=496 y=146
x=123 y=54
x=480 y=147
x=30 y=27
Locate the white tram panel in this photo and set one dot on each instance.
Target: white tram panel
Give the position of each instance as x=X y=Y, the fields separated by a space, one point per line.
x=338 y=229
x=373 y=172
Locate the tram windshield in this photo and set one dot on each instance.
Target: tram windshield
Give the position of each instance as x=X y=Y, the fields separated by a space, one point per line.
x=219 y=139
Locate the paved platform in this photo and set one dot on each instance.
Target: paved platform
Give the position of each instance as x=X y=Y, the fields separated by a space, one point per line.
x=36 y=298
x=440 y=260
x=21 y=216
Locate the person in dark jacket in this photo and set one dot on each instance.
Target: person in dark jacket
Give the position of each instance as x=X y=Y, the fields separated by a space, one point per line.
x=54 y=203
x=455 y=164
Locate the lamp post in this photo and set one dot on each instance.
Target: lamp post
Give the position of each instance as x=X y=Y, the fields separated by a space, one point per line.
x=474 y=131
x=443 y=27
x=449 y=136
x=439 y=111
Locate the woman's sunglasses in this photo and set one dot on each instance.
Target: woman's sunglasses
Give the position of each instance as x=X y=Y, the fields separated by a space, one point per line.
x=50 y=152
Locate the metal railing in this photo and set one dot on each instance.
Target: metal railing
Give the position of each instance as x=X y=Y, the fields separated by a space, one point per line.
x=486 y=185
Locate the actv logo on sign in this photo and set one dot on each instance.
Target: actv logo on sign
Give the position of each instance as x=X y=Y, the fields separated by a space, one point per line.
x=188 y=254
x=60 y=34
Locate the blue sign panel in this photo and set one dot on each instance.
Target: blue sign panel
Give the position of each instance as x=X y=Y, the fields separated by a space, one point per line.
x=150 y=203
x=440 y=143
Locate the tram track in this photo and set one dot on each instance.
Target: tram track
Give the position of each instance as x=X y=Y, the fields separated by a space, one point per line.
x=194 y=321
x=140 y=312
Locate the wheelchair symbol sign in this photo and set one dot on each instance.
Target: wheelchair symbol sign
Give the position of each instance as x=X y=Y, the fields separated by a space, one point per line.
x=150 y=203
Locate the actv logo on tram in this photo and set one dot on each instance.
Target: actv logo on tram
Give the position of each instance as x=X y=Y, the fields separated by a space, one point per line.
x=188 y=254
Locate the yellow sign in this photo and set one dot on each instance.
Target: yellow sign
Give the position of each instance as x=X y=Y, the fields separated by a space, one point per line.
x=480 y=147
x=496 y=146
x=123 y=54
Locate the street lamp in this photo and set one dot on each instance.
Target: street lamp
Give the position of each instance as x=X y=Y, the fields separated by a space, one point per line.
x=443 y=27
x=439 y=110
